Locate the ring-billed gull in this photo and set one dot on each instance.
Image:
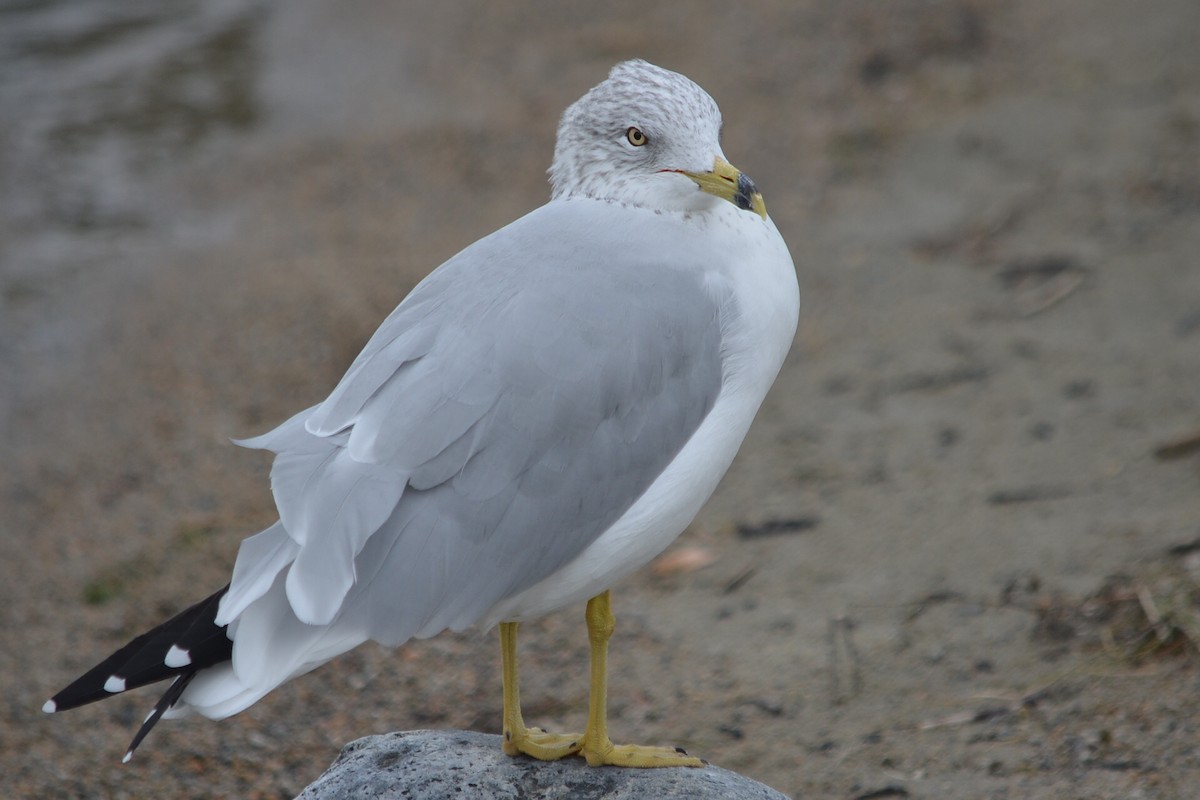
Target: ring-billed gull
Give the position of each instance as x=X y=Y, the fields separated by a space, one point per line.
x=541 y=416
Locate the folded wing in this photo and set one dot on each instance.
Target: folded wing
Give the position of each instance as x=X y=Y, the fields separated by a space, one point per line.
x=509 y=411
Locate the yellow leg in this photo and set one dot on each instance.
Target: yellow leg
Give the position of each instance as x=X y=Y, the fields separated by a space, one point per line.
x=519 y=739
x=594 y=744
x=597 y=748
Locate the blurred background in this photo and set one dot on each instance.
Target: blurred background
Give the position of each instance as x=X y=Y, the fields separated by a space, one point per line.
x=957 y=556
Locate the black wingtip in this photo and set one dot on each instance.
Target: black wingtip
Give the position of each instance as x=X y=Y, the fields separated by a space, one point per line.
x=169 y=698
x=154 y=656
x=179 y=648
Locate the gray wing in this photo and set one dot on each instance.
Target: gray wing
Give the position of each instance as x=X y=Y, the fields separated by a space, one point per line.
x=507 y=413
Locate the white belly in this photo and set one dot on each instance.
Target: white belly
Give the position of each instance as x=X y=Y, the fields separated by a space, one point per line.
x=650 y=524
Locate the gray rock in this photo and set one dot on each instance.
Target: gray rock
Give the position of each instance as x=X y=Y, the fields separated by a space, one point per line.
x=432 y=765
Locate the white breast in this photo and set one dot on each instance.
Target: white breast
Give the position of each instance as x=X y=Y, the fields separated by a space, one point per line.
x=758 y=331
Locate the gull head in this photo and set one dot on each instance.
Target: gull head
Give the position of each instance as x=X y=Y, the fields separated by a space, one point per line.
x=648 y=137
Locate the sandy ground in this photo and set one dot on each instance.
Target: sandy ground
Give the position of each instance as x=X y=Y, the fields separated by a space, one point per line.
x=956 y=556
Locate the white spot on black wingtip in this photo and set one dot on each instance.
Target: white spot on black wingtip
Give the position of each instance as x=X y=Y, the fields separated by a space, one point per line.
x=128 y=755
x=114 y=684
x=49 y=707
x=177 y=657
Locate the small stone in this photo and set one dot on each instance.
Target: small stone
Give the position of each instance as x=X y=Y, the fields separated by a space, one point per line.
x=433 y=765
x=1079 y=389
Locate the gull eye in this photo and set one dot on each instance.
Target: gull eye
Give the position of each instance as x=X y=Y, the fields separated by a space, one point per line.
x=636 y=137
